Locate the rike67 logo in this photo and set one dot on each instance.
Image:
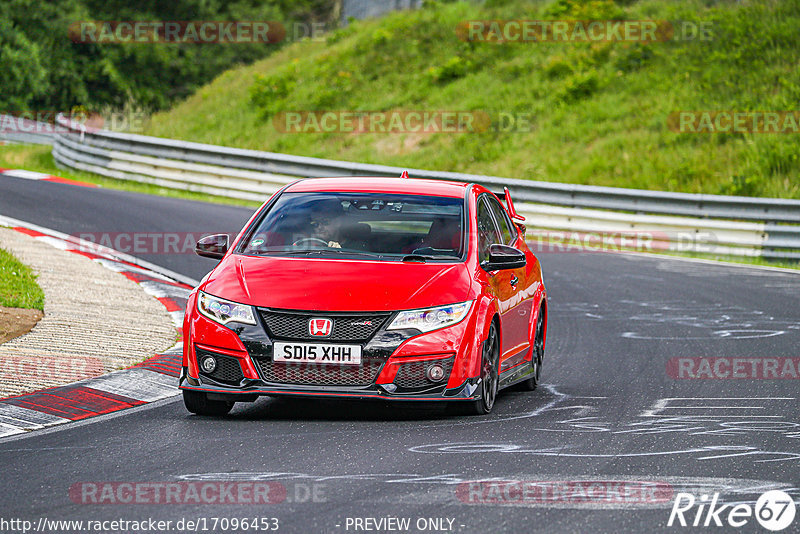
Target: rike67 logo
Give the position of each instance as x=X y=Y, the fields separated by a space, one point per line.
x=774 y=510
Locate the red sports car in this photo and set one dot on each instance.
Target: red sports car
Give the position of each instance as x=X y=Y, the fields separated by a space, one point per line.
x=379 y=288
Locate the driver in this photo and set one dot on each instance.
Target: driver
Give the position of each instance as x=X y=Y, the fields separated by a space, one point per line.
x=324 y=221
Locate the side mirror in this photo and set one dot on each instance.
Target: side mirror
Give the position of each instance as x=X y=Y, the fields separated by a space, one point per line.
x=212 y=246
x=504 y=257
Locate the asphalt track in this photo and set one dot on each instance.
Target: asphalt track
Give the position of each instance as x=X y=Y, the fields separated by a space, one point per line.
x=608 y=411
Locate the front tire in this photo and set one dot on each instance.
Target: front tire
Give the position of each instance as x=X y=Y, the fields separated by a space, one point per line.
x=490 y=375
x=537 y=357
x=198 y=403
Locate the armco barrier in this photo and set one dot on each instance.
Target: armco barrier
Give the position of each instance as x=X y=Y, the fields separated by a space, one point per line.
x=21 y=130
x=721 y=224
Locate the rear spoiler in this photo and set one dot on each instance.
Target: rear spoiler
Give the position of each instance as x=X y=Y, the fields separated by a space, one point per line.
x=506 y=197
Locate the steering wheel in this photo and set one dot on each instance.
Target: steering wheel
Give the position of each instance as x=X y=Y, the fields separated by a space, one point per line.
x=303 y=241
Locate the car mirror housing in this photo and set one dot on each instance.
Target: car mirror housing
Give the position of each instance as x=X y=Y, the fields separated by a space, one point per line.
x=212 y=246
x=504 y=257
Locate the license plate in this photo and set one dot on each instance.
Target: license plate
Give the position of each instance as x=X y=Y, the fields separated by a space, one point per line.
x=317 y=353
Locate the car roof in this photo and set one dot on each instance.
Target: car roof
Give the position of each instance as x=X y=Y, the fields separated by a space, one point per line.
x=380 y=184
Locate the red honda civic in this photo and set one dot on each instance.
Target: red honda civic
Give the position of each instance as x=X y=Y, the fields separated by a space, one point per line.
x=368 y=288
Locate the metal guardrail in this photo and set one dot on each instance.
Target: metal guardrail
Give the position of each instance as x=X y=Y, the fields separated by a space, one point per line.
x=362 y=9
x=724 y=224
x=22 y=130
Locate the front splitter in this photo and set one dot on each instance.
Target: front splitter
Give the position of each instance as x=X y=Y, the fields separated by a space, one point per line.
x=467 y=391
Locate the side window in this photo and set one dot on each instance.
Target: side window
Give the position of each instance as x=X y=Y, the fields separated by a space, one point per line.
x=500 y=215
x=487 y=231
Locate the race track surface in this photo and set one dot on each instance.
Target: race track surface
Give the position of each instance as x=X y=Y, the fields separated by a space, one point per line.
x=610 y=411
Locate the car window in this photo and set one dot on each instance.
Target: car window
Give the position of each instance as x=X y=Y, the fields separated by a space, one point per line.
x=487 y=230
x=378 y=225
x=503 y=221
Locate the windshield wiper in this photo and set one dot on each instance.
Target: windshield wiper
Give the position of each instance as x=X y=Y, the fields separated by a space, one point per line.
x=355 y=253
x=321 y=251
x=415 y=258
x=423 y=258
x=292 y=252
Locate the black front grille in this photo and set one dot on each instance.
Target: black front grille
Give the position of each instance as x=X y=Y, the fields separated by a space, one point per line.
x=312 y=374
x=228 y=370
x=413 y=375
x=356 y=328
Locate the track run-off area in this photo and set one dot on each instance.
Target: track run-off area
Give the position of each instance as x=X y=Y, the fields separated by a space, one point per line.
x=661 y=376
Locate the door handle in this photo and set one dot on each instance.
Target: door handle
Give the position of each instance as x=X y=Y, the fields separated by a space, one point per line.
x=514 y=280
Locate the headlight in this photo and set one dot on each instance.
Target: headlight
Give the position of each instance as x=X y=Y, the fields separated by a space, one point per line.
x=224 y=311
x=428 y=319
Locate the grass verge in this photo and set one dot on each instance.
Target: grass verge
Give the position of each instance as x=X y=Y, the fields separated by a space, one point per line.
x=18 y=287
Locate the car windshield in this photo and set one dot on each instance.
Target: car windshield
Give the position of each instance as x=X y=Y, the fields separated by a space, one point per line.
x=361 y=225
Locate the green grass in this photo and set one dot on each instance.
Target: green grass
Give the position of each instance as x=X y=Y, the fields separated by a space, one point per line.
x=18 y=287
x=599 y=111
x=38 y=158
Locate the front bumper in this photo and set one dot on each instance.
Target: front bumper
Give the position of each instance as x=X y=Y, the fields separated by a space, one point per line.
x=394 y=364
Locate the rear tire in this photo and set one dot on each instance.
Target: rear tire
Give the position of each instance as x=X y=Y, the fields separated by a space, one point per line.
x=490 y=376
x=537 y=357
x=198 y=403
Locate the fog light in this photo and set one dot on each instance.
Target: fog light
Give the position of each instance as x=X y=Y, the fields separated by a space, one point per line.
x=208 y=364
x=435 y=373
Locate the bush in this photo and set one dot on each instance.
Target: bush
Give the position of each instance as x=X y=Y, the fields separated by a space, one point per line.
x=585 y=10
x=454 y=68
x=634 y=57
x=579 y=87
x=557 y=67
x=268 y=93
x=50 y=72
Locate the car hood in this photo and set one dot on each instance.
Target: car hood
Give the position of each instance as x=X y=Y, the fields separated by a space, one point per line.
x=337 y=285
